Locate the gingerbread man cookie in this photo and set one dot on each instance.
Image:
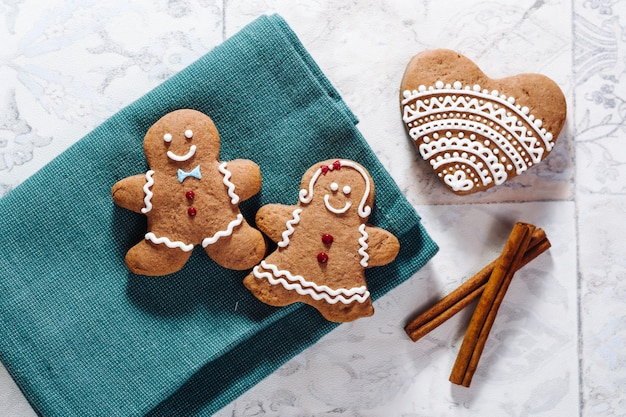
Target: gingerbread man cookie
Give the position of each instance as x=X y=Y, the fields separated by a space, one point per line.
x=190 y=198
x=324 y=244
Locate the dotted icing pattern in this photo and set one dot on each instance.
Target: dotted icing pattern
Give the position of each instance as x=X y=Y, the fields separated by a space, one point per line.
x=473 y=137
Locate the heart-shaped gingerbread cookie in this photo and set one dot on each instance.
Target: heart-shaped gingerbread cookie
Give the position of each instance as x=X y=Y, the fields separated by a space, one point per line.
x=474 y=131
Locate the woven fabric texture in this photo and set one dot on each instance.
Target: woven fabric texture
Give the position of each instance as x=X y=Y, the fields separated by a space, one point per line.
x=82 y=336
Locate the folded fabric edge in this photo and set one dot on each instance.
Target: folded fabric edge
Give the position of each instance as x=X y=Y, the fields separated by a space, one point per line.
x=323 y=81
x=220 y=382
x=413 y=241
x=285 y=32
x=212 y=388
x=292 y=39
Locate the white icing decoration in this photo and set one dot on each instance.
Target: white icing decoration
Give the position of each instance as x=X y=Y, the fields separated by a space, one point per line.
x=334 y=186
x=188 y=134
x=484 y=130
x=303 y=287
x=234 y=198
x=363 y=243
x=496 y=106
x=330 y=208
x=148 y=192
x=439 y=153
x=458 y=181
x=186 y=247
x=346 y=189
x=182 y=158
x=222 y=233
x=169 y=243
x=167 y=137
x=495 y=117
x=306 y=195
x=290 y=223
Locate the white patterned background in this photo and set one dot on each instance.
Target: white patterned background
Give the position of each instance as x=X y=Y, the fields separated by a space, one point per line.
x=558 y=347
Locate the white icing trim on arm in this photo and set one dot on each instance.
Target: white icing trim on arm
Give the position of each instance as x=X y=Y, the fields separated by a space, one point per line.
x=363 y=242
x=234 y=198
x=290 y=223
x=148 y=192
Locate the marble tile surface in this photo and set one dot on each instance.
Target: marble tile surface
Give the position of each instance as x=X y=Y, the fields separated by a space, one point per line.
x=370 y=367
x=557 y=348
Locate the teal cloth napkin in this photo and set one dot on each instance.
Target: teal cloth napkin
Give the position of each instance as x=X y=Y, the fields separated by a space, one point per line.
x=82 y=336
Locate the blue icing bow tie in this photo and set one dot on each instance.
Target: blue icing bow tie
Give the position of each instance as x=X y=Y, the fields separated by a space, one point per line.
x=193 y=173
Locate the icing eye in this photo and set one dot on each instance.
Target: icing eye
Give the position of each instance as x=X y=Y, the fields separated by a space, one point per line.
x=188 y=134
x=334 y=186
x=346 y=189
x=167 y=137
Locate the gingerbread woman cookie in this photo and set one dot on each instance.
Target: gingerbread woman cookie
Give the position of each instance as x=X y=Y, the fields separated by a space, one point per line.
x=190 y=198
x=324 y=244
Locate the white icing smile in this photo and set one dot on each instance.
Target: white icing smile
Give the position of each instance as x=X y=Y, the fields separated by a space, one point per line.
x=329 y=207
x=306 y=194
x=182 y=158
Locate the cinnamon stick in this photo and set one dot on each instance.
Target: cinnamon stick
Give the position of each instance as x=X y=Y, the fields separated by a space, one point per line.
x=484 y=316
x=469 y=291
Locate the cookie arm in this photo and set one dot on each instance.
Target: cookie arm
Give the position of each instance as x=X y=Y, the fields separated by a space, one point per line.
x=383 y=247
x=272 y=220
x=246 y=177
x=129 y=193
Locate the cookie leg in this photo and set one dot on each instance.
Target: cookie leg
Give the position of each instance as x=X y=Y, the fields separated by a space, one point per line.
x=274 y=295
x=243 y=249
x=341 y=313
x=146 y=258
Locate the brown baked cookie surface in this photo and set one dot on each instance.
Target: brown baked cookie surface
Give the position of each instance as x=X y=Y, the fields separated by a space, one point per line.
x=190 y=198
x=474 y=131
x=324 y=244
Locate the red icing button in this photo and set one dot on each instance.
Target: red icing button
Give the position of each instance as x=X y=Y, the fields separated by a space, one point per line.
x=190 y=195
x=191 y=211
x=322 y=257
x=327 y=239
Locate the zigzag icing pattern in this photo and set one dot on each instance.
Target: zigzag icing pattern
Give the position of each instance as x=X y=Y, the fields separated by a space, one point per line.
x=303 y=287
x=185 y=247
x=446 y=121
x=222 y=233
x=290 y=223
x=147 y=200
x=363 y=243
x=234 y=198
